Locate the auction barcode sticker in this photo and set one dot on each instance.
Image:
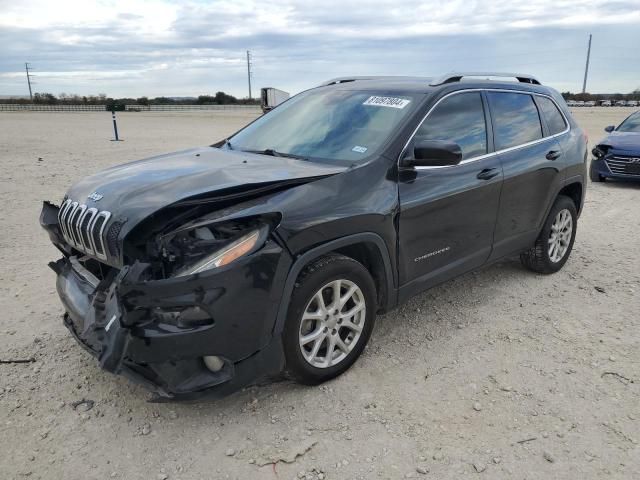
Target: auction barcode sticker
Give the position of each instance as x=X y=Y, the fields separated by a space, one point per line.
x=392 y=102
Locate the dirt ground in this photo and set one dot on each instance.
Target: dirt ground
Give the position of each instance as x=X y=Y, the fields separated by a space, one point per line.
x=498 y=374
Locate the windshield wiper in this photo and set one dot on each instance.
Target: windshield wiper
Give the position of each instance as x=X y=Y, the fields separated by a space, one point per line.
x=274 y=153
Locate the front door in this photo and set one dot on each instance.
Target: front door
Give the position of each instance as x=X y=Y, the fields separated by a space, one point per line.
x=448 y=214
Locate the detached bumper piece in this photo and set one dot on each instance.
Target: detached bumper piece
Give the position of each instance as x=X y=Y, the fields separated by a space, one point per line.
x=158 y=333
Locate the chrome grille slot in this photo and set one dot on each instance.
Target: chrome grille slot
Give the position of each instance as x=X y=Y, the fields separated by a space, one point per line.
x=84 y=228
x=85 y=221
x=624 y=165
x=70 y=222
x=62 y=215
x=97 y=232
x=76 y=218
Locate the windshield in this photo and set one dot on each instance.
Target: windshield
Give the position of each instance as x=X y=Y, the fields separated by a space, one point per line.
x=327 y=124
x=631 y=124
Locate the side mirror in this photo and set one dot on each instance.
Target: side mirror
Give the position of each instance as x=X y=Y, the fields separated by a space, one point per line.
x=434 y=153
x=610 y=128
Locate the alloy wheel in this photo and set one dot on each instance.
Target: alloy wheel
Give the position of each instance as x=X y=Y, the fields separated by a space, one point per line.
x=560 y=236
x=332 y=323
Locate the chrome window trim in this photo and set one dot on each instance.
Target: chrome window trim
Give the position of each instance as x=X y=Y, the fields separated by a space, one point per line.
x=497 y=152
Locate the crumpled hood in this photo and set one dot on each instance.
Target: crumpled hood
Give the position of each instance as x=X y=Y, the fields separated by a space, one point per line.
x=135 y=190
x=622 y=141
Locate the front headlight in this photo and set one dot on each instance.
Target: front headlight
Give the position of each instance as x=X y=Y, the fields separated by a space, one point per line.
x=225 y=255
x=597 y=153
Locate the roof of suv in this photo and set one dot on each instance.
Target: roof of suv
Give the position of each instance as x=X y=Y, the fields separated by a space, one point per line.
x=425 y=84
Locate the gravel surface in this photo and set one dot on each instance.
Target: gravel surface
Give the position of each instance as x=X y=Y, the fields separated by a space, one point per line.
x=498 y=374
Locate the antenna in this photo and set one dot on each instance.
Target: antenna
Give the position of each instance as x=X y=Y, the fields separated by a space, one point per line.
x=26 y=67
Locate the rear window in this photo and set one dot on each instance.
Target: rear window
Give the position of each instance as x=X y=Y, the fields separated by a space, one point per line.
x=553 y=117
x=515 y=118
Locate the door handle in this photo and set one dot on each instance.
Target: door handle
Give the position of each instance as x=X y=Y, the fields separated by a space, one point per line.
x=553 y=155
x=487 y=174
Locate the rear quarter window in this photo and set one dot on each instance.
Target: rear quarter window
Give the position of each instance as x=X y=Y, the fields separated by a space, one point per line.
x=515 y=118
x=553 y=117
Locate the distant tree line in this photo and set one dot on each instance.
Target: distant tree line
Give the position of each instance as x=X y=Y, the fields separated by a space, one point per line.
x=635 y=95
x=220 y=98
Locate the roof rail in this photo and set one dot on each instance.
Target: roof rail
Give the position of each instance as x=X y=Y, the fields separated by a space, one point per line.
x=456 y=77
x=335 y=81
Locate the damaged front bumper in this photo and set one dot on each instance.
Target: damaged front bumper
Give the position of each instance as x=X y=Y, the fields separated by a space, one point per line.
x=130 y=324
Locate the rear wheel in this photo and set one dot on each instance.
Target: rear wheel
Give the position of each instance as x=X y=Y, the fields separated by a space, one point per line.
x=330 y=319
x=555 y=242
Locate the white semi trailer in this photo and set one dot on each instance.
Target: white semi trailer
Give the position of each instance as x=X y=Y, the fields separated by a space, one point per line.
x=272 y=97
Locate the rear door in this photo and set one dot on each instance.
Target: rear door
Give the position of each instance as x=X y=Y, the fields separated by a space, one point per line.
x=448 y=214
x=532 y=162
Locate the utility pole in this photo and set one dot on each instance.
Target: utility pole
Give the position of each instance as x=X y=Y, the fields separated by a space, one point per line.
x=26 y=67
x=249 y=71
x=586 y=67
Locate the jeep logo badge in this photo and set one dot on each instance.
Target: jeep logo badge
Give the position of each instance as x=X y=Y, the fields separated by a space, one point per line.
x=95 y=196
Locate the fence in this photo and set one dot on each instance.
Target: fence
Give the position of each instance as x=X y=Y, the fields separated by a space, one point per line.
x=180 y=108
x=6 y=107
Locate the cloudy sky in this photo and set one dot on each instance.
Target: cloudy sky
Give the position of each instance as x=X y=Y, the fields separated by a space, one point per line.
x=183 y=48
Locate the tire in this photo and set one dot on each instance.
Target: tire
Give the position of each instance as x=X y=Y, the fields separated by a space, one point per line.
x=594 y=175
x=540 y=258
x=307 y=318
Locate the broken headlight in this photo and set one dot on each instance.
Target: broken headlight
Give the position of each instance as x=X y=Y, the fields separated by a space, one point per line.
x=599 y=151
x=198 y=246
x=223 y=256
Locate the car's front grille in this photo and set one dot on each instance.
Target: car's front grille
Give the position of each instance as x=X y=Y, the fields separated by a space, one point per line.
x=623 y=165
x=83 y=228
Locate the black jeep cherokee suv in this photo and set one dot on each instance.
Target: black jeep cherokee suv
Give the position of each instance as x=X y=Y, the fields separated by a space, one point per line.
x=273 y=250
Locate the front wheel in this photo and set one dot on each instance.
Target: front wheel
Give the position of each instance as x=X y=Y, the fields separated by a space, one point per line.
x=555 y=242
x=594 y=175
x=330 y=319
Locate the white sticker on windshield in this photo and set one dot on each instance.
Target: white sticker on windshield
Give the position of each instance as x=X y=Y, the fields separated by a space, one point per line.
x=392 y=102
x=359 y=149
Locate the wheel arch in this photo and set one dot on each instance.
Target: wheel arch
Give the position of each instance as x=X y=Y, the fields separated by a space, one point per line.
x=367 y=248
x=575 y=191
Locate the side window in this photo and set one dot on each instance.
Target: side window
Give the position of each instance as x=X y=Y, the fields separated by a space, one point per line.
x=551 y=115
x=460 y=119
x=515 y=119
